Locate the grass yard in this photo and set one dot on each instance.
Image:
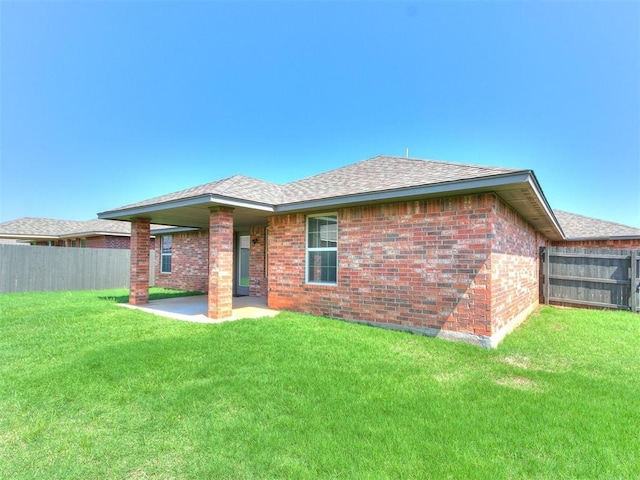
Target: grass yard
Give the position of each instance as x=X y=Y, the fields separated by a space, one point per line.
x=89 y=390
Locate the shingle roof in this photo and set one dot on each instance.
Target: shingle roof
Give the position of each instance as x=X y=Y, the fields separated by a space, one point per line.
x=383 y=173
x=381 y=178
x=52 y=228
x=238 y=186
x=373 y=175
x=97 y=225
x=578 y=226
x=45 y=227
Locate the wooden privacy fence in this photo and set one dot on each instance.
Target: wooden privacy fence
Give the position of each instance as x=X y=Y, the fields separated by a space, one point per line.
x=592 y=277
x=43 y=269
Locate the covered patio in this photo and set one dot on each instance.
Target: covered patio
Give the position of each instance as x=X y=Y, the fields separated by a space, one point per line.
x=194 y=308
x=226 y=210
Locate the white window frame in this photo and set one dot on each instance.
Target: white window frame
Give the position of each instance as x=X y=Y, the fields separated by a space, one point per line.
x=319 y=249
x=163 y=254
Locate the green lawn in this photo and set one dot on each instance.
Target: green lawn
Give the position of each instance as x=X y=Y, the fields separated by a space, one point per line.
x=89 y=390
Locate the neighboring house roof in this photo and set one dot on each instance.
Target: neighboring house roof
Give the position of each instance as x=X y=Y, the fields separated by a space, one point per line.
x=33 y=228
x=579 y=227
x=36 y=227
x=379 y=179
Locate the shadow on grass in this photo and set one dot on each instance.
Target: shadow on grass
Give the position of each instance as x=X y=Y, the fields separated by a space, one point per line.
x=154 y=294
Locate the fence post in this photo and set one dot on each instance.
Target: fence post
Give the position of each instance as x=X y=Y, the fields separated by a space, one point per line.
x=546 y=269
x=633 y=295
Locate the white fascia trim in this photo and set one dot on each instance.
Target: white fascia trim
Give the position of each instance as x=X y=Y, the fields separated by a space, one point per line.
x=186 y=202
x=600 y=238
x=29 y=237
x=458 y=186
x=235 y=202
x=154 y=207
x=94 y=234
x=535 y=186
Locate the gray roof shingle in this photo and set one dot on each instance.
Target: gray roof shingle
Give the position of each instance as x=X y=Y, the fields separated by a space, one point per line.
x=372 y=175
x=580 y=227
x=379 y=174
x=383 y=173
x=45 y=227
x=52 y=228
x=238 y=186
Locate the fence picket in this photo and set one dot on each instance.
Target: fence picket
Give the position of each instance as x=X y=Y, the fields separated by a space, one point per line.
x=591 y=277
x=39 y=269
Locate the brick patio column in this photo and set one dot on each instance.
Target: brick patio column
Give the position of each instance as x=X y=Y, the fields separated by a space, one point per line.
x=220 y=262
x=139 y=270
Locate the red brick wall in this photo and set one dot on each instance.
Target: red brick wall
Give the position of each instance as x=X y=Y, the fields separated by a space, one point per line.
x=139 y=272
x=286 y=262
x=515 y=268
x=189 y=263
x=258 y=286
x=220 y=262
x=467 y=264
x=422 y=265
x=108 y=241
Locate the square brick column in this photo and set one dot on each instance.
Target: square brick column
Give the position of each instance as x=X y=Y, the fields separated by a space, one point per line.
x=220 y=262
x=139 y=271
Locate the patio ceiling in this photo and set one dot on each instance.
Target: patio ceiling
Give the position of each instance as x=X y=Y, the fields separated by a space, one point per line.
x=197 y=216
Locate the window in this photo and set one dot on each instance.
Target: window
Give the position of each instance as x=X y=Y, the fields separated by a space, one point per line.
x=165 y=255
x=322 y=249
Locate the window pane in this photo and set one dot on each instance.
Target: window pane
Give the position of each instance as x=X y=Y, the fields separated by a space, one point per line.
x=322 y=267
x=166 y=244
x=243 y=270
x=323 y=232
x=165 y=249
x=166 y=264
x=313 y=233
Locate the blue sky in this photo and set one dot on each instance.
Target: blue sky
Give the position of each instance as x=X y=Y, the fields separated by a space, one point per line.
x=104 y=103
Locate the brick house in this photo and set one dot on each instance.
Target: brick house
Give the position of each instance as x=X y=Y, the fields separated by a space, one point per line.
x=436 y=248
x=94 y=233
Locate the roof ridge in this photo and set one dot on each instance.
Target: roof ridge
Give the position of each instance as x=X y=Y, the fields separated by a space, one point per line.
x=242 y=175
x=422 y=160
x=229 y=183
x=226 y=183
x=177 y=192
x=451 y=162
x=334 y=169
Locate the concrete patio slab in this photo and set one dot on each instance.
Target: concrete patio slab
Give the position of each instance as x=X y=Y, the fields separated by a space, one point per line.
x=194 y=309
